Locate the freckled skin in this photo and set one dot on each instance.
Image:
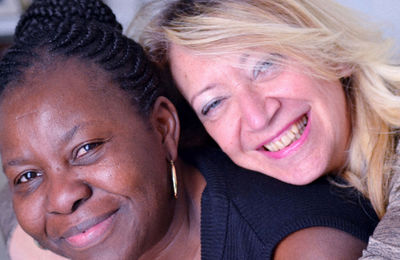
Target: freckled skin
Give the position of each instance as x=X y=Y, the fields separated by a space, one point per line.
x=45 y=123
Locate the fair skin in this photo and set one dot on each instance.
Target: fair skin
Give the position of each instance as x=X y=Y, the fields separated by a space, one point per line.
x=272 y=118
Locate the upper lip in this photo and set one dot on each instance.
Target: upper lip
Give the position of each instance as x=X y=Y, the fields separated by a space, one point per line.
x=86 y=224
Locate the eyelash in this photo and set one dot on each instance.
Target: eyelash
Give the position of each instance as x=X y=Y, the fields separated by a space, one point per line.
x=261 y=67
x=27 y=176
x=86 y=148
x=211 y=105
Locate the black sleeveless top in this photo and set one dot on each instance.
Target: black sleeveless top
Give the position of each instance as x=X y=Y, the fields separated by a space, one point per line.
x=245 y=214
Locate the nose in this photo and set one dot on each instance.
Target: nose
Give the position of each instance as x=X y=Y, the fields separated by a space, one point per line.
x=257 y=110
x=66 y=195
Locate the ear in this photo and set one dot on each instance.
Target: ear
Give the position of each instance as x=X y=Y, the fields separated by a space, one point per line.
x=165 y=122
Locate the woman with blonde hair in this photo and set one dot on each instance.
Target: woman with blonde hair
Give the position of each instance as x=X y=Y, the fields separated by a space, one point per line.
x=294 y=89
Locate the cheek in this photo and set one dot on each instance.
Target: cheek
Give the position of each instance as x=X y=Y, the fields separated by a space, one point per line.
x=227 y=132
x=118 y=172
x=344 y=121
x=227 y=140
x=149 y=196
x=334 y=118
x=338 y=110
x=220 y=134
x=133 y=176
x=30 y=215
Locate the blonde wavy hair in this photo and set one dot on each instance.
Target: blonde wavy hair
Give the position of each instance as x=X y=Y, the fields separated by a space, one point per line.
x=328 y=38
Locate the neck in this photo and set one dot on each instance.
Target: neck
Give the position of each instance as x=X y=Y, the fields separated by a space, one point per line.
x=182 y=241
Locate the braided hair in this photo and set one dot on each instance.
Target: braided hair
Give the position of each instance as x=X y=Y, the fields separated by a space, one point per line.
x=88 y=30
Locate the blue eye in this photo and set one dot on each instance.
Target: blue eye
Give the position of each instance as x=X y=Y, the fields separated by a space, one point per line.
x=261 y=67
x=28 y=176
x=213 y=104
x=87 y=148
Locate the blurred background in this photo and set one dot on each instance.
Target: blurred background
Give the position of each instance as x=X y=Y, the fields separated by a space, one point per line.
x=383 y=12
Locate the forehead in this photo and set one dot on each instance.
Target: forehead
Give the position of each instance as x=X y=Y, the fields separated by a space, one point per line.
x=58 y=97
x=61 y=85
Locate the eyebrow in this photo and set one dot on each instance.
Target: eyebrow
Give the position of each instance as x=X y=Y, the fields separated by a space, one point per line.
x=16 y=162
x=201 y=92
x=243 y=59
x=70 y=133
x=67 y=137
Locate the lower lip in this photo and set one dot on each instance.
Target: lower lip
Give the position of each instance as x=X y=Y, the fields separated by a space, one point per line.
x=93 y=235
x=293 y=146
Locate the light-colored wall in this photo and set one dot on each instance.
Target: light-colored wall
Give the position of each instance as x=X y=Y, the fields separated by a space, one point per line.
x=383 y=12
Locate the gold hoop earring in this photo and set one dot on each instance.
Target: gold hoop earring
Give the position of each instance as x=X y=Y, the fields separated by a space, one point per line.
x=174 y=180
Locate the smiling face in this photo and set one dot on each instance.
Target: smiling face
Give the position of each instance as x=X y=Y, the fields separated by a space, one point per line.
x=89 y=176
x=272 y=118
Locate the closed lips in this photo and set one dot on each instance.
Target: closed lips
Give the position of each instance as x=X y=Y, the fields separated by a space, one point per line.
x=89 y=231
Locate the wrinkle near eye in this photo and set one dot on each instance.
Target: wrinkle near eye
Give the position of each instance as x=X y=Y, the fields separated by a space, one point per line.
x=19 y=117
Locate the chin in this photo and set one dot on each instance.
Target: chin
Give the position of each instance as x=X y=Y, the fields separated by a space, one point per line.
x=300 y=177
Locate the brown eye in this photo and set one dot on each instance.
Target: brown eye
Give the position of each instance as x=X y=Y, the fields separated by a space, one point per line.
x=86 y=148
x=28 y=176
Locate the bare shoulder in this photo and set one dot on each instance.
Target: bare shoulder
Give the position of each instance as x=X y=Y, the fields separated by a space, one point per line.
x=319 y=243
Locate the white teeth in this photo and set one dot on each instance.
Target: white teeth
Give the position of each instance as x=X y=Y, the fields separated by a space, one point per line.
x=274 y=146
x=291 y=135
x=295 y=129
x=286 y=140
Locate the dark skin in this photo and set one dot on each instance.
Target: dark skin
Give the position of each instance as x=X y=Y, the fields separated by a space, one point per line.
x=79 y=158
x=91 y=180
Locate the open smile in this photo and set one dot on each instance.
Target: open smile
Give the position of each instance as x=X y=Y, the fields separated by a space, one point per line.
x=90 y=232
x=289 y=140
x=294 y=132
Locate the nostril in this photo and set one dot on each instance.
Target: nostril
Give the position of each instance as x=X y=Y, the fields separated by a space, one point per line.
x=76 y=204
x=66 y=197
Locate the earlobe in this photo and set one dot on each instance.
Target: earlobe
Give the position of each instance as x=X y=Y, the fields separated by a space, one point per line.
x=165 y=121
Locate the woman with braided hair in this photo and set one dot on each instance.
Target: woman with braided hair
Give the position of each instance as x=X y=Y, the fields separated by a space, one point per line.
x=89 y=145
